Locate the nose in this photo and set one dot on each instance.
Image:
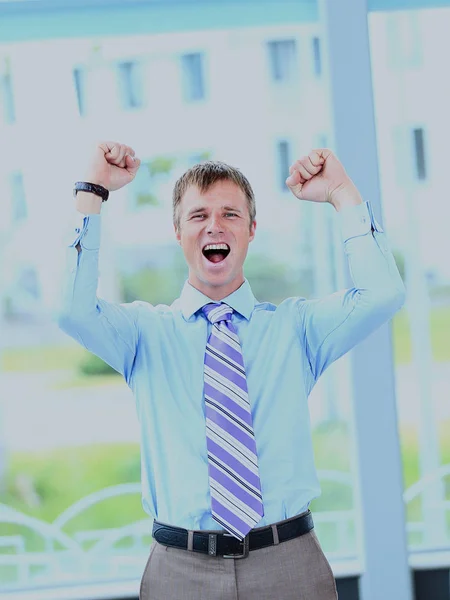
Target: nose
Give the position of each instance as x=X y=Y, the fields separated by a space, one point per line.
x=214 y=225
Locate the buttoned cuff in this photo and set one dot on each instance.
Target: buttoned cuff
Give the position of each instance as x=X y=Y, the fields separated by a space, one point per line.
x=87 y=232
x=357 y=221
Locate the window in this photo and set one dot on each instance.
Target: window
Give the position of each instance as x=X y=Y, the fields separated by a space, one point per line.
x=317 y=58
x=79 y=77
x=404 y=40
x=419 y=154
x=284 y=162
x=19 y=206
x=7 y=98
x=192 y=77
x=282 y=60
x=130 y=85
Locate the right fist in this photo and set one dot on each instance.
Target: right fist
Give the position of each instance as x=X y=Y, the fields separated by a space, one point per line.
x=113 y=165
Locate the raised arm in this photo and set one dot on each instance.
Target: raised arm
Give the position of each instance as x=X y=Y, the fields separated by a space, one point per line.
x=109 y=330
x=331 y=326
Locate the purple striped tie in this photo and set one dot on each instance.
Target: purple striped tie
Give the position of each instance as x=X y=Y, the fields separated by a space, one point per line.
x=236 y=500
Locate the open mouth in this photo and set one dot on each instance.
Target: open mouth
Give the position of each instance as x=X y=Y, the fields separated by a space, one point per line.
x=216 y=253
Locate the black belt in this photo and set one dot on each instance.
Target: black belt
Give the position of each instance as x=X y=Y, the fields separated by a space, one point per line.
x=226 y=545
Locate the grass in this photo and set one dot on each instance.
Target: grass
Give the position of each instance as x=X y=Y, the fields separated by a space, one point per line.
x=78 y=380
x=41 y=358
x=63 y=476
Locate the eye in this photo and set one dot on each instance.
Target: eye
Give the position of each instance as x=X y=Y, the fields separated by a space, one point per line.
x=198 y=216
x=231 y=214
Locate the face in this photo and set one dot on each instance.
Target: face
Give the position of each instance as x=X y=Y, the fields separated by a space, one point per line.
x=218 y=217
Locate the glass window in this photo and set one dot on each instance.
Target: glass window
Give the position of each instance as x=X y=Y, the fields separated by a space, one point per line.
x=409 y=149
x=317 y=58
x=130 y=85
x=284 y=162
x=419 y=152
x=282 y=60
x=79 y=77
x=193 y=80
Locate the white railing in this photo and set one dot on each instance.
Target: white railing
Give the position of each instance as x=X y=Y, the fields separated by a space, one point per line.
x=94 y=554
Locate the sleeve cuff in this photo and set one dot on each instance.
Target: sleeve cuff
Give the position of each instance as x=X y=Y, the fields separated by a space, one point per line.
x=357 y=221
x=87 y=232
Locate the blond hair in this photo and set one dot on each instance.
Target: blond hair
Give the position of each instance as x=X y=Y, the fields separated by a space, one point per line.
x=206 y=174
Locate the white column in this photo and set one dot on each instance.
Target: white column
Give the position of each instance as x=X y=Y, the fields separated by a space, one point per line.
x=386 y=573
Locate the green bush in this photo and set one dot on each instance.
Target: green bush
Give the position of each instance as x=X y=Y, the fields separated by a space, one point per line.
x=93 y=365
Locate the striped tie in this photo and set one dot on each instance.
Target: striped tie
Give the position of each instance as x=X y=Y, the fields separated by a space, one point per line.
x=236 y=500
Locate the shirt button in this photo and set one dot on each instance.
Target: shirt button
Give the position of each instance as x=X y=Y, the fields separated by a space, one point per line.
x=77 y=230
x=363 y=219
x=72 y=270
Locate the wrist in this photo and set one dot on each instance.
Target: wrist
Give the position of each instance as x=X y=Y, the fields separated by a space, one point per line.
x=345 y=196
x=88 y=203
x=96 y=181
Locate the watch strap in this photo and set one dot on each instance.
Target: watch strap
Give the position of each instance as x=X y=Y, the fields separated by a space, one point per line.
x=93 y=188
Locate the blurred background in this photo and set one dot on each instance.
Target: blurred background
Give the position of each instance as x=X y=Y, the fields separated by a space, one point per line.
x=181 y=82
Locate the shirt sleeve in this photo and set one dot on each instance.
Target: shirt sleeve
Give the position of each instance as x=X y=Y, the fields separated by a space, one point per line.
x=333 y=325
x=109 y=330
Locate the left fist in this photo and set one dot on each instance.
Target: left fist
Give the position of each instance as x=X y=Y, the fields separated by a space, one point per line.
x=319 y=177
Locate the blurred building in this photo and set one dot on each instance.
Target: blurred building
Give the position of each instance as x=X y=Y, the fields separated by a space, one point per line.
x=251 y=96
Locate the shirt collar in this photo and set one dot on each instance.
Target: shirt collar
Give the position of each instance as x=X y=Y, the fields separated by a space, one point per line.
x=241 y=300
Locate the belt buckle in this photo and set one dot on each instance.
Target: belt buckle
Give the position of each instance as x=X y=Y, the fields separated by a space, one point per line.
x=245 y=547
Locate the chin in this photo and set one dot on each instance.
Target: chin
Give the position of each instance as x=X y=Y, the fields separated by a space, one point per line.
x=215 y=279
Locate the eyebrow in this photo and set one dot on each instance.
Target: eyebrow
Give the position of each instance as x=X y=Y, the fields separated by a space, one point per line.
x=204 y=208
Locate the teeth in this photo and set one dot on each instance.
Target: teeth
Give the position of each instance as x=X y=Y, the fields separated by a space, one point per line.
x=216 y=247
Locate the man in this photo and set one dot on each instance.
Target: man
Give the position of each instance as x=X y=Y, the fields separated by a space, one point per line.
x=221 y=380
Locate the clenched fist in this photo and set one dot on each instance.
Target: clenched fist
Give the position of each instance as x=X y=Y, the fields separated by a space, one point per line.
x=113 y=165
x=320 y=177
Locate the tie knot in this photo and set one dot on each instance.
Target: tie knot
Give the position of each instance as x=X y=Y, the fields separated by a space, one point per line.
x=216 y=312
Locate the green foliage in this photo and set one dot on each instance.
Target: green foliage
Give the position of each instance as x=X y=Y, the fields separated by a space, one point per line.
x=273 y=281
x=161 y=165
x=401 y=337
x=93 y=365
x=400 y=260
x=439 y=328
x=63 y=476
x=205 y=155
x=155 y=285
x=95 y=467
x=146 y=199
x=42 y=358
x=441 y=293
x=439 y=331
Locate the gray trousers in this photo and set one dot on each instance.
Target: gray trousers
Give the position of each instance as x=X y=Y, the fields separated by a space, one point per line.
x=292 y=570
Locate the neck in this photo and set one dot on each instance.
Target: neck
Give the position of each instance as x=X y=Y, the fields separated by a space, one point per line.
x=216 y=292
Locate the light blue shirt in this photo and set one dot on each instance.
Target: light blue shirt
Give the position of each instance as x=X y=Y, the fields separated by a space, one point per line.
x=160 y=350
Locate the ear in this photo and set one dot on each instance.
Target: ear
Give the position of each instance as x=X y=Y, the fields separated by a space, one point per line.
x=177 y=233
x=252 y=231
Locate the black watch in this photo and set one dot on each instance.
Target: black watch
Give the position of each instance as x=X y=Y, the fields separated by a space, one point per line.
x=98 y=190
